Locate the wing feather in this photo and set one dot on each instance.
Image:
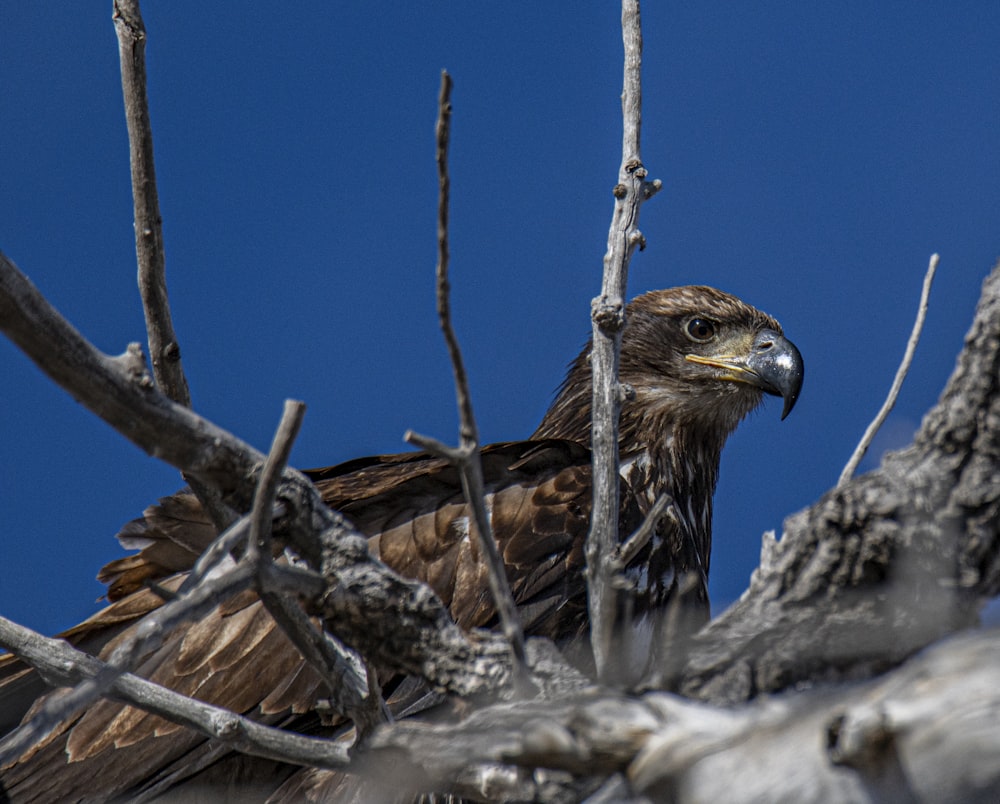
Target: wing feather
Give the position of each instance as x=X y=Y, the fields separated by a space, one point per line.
x=413 y=511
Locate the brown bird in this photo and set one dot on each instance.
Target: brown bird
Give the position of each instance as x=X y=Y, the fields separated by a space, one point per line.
x=694 y=360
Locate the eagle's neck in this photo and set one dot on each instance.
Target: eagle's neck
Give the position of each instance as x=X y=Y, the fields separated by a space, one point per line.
x=662 y=451
x=681 y=461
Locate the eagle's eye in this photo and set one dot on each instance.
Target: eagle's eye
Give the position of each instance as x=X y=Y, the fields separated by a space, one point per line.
x=701 y=330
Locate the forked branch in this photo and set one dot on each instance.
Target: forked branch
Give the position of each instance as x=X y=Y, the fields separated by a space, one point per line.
x=465 y=457
x=393 y=621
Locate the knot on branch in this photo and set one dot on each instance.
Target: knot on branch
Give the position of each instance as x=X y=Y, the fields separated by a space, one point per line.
x=651 y=188
x=608 y=312
x=172 y=352
x=620 y=191
x=132 y=363
x=862 y=739
x=634 y=167
x=637 y=238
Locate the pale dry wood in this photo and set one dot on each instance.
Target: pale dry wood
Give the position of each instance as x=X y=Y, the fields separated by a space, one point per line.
x=608 y=316
x=925 y=732
x=261 y=512
x=147 y=636
x=164 y=348
x=860 y=582
x=345 y=673
x=62 y=664
x=897 y=382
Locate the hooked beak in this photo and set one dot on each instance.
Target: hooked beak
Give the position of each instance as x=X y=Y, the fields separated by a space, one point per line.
x=774 y=365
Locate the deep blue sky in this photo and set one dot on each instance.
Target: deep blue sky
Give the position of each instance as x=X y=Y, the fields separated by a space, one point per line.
x=813 y=157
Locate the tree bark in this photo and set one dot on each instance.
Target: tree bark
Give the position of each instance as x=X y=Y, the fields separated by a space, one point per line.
x=927 y=731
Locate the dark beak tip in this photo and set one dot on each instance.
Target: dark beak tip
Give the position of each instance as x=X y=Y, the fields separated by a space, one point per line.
x=779 y=365
x=789 y=404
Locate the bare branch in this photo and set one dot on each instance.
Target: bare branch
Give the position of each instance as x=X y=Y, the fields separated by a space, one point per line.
x=883 y=566
x=396 y=622
x=344 y=672
x=466 y=456
x=223 y=547
x=63 y=665
x=936 y=716
x=897 y=383
x=164 y=351
x=608 y=315
x=631 y=547
x=146 y=637
x=259 y=542
x=334 y=663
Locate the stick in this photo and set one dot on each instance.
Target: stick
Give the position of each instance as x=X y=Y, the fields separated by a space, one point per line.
x=349 y=689
x=608 y=316
x=465 y=457
x=897 y=383
x=396 y=622
x=164 y=350
x=63 y=664
x=259 y=541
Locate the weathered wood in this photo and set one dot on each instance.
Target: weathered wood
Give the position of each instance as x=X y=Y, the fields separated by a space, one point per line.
x=927 y=731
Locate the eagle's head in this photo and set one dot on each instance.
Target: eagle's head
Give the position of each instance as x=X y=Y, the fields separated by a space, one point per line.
x=693 y=359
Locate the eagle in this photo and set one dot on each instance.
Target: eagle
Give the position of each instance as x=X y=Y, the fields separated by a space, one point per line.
x=694 y=362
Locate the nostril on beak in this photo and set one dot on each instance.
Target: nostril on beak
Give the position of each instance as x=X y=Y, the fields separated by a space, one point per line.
x=765 y=341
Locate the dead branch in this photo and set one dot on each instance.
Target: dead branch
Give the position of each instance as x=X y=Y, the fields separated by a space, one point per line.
x=259 y=540
x=465 y=458
x=630 y=548
x=164 y=349
x=926 y=732
x=897 y=383
x=147 y=637
x=608 y=315
x=344 y=672
x=395 y=622
x=874 y=571
x=63 y=665
x=859 y=583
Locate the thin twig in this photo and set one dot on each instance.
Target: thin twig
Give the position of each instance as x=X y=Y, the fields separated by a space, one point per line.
x=630 y=548
x=608 y=315
x=897 y=383
x=164 y=350
x=146 y=637
x=348 y=686
x=466 y=456
x=261 y=513
x=221 y=549
x=344 y=671
x=397 y=622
